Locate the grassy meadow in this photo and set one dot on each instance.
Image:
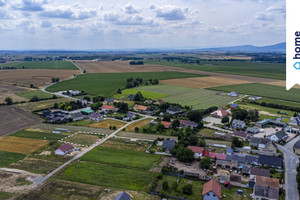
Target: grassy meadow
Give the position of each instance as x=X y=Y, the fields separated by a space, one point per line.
x=108 y=84
x=7 y=158
x=29 y=94
x=41 y=65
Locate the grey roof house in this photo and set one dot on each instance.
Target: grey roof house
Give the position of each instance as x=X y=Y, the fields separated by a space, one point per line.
x=238 y=124
x=270 y=161
x=173 y=110
x=123 y=196
x=168 y=144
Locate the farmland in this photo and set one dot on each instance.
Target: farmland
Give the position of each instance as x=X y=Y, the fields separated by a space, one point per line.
x=280 y=102
x=29 y=94
x=83 y=139
x=108 y=84
x=146 y=94
x=39 y=105
x=138 y=124
x=42 y=65
x=38 y=135
x=264 y=90
x=21 y=145
x=7 y=158
x=9 y=91
x=197 y=98
x=255 y=69
x=14 y=119
x=107 y=123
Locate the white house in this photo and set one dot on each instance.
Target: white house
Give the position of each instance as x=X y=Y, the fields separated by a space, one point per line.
x=64 y=149
x=279 y=136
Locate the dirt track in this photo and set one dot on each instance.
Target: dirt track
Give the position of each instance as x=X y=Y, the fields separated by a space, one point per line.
x=14 y=119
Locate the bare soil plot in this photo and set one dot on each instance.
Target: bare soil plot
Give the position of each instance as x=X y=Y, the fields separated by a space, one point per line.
x=37 y=77
x=107 y=123
x=138 y=124
x=204 y=82
x=119 y=66
x=21 y=145
x=9 y=91
x=14 y=119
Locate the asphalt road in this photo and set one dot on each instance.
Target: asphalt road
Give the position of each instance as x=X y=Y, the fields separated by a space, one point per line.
x=291 y=162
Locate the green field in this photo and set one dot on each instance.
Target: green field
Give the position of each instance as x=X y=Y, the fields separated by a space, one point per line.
x=7 y=158
x=256 y=69
x=108 y=84
x=122 y=158
x=146 y=94
x=29 y=94
x=39 y=135
x=42 y=65
x=280 y=102
x=197 y=98
x=5 y=195
x=264 y=90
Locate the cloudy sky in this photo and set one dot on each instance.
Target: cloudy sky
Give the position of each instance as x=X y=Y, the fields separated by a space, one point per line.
x=120 y=24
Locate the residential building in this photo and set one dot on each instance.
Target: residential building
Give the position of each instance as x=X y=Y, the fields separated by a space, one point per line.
x=140 y=108
x=173 y=110
x=251 y=159
x=258 y=142
x=166 y=124
x=64 y=149
x=129 y=116
x=229 y=151
x=238 y=124
x=269 y=161
x=74 y=92
x=96 y=117
x=241 y=135
x=218 y=156
x=297 y=147
x=212 y=191
x=123 y=196
x=233 y=94
x=231 y=106
x=227 y=164
x=197 y=151
x=109 y=100
x=252 y=130
x=255 y=98
x=266 y=188
x=255 y=171
x=235 y=180
x=76 y=116
x=160 y=101
x=295 y=120
x=168 y=144
x=279 y=136
x=107 y=108
x=187 y=123
x=130 y=97
x=220 y=113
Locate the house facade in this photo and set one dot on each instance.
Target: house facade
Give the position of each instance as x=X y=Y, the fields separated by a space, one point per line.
x=212 y=191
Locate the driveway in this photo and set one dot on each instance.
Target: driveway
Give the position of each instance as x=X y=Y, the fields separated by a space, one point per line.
x=291 y=162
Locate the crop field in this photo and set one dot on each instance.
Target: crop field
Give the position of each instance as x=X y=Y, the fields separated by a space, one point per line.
x=122 y=158
x=21 y=145
x=7 y=158
x=255 y=69
x=138 y=124
x=119 y=67
x=14 y=119
x=108 y=84
x=37 y=77
x=9 y=91
x=39 y=105
x=146 y=94
x=29 y=94
x=197 y=98
x=264 y=90
x=41 y=65
x=204 y=82
x=107 y=123
x=39 y=135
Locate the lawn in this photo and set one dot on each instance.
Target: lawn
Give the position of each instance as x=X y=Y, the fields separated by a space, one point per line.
x=197 y=98
x=42 y=65
x=39 y=135
x=108 y=176
x=146 y=94
x=107 y=123
x=256 y=69
x=206 y=132
x=7 y=158
x=264 y=90
x=108 y=84
x=29 y=94
x=122 y=158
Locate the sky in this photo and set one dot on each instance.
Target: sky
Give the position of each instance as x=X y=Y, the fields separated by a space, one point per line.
x=138 y=24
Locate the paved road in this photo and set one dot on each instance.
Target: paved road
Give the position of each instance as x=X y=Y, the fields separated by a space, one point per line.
x=291 y=162
x=43 y=179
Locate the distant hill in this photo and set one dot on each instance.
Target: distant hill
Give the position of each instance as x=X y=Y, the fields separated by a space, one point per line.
x=281 y=47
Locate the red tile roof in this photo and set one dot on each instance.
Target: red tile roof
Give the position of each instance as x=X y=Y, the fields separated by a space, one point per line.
x=166 y=124
x=213 y=186
x=220 y=113
x=66 y=147
x=108 y=107
x=205 y=153
x=219 y=156
x=196 y=149
x=139 y=107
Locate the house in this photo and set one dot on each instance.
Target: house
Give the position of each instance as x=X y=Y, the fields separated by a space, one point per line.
x=233 y=94
x=279 y=136
x=140 y=108
x=251 y=159
x=297 y=147
x=76 y=115
x=246 y=170
x=64 y=149
x=107 y=108
x=227 y=164
x=211 y=191
x=109 y=100
x=231 y=106
x=258 y=142
x=255 y=98
x=292 y=130
x=166 y=124
x=220 y=113
x=295 y=120
x=74 y=92
x=168 y=144
x=235 y=180
x=187 y=123
x=229 y=151
x=252 y=130
x=269 y=161
x=123 y=196
x=198 y=151
x=130 y=97
x=266 y=188
x=255 y=171
x=240 y=158
x=129 y=116
x=160 y=101
x=96 y=117
x=238 y=124
x=218 y=156
x=241 y=135
x=173 y=110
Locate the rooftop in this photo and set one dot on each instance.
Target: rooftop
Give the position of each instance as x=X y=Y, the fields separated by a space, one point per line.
x=213 y=186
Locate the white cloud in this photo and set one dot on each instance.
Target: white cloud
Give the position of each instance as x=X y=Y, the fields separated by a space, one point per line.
x=170 y=13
